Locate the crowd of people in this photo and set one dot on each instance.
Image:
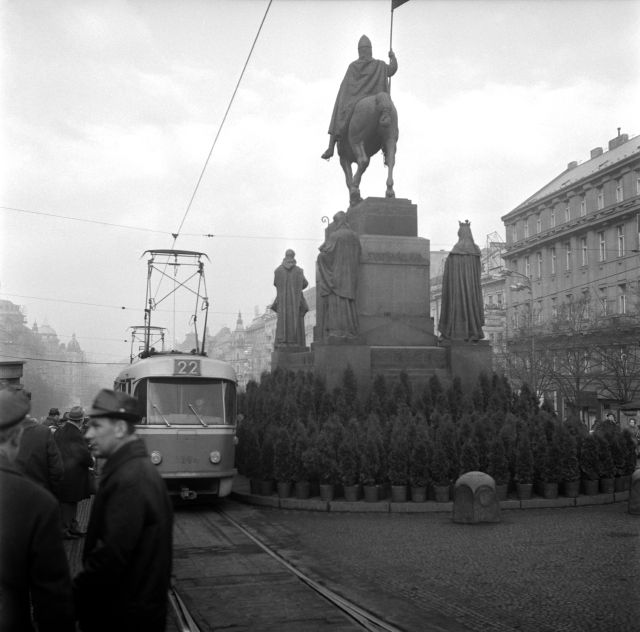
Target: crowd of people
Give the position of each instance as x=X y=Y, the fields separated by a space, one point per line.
x=46 y=469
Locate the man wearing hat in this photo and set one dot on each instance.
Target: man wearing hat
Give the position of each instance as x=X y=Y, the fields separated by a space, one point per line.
x=53 y=419
x=77 y=460
x=128 y=548
x=34 y=573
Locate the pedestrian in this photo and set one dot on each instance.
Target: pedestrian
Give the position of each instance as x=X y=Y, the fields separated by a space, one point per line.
x=39 y=457
x=128 y=548
x=77 y=460
x=53 y=419
x=34 y=573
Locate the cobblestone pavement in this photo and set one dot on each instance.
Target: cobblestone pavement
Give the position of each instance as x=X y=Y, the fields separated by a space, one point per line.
x=575 y=569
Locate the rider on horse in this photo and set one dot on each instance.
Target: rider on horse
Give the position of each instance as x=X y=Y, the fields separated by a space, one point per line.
x=364 y=77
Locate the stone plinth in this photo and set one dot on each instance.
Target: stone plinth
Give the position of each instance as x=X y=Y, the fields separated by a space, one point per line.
x=475 y=499
x=468 y=359
x=331 y=360
x=291 y=358
x=393 y=291
x=384 y=216
x=634 y=494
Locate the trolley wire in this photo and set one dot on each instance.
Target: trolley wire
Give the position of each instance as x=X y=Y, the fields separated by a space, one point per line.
x=224 y=118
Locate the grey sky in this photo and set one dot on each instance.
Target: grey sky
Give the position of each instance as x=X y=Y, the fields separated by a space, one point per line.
x=109 y=110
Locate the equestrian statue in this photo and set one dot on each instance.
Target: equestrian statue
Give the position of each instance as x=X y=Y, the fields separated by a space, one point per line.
x=364 y=119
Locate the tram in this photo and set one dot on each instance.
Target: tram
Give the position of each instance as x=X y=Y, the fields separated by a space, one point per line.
x=188 y=399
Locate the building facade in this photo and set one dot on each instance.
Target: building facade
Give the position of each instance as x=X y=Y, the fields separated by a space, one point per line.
x=572 y=263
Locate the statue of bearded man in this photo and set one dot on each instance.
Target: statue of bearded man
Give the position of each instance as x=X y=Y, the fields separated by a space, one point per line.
x=364 y=77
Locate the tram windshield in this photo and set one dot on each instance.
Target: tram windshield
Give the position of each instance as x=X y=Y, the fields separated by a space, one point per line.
x=198 y=401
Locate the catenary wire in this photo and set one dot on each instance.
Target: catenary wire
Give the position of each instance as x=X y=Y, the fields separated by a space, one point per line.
x=224 y=118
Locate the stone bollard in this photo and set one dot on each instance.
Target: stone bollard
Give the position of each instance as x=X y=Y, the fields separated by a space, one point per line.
x=634 y=494
x=475 y=499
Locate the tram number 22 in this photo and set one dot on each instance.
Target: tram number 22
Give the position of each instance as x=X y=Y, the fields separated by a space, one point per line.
x=186 y=367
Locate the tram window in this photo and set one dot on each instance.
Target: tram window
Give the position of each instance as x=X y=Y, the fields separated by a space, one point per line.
x=188 y=402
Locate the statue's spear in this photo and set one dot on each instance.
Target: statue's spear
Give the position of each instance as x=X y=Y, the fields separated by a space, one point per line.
x=394 y=5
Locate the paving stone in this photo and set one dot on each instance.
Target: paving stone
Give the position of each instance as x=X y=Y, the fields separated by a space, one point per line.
x=597 y=499
x=545 y=503
x=307 y=504
x=358 y=506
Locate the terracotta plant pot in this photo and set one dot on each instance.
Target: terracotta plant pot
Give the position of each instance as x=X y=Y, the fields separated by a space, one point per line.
x=326 y=491
x=607 y=486
x=265 y=488
x=550 y=490
x=284 y=489
x=302 y=489
x=502 y=491
x=590 y=488
x=398 y=493
x=525 y=490
x=352 y=493
x=619 y=484
x=419 y=493
x=370 y=493
x=254 y=485
x=571 y=489
x=442 y=493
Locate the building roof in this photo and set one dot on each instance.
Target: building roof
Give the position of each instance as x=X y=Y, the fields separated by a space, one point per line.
x=583 y=171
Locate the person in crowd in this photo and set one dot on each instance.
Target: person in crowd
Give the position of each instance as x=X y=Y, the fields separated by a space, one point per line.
x=39 y=457
x=76 y=460
x=35 y=585
x=128 y=549
x=53 y=419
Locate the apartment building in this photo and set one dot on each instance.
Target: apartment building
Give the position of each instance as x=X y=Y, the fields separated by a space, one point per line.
x=573 y=259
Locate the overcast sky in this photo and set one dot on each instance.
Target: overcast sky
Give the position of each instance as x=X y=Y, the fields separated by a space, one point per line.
x=109 y=110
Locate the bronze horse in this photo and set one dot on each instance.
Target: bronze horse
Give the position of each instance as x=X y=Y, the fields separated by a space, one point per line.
x=373 y=126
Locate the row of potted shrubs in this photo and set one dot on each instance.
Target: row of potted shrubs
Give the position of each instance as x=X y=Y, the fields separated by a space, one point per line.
x=406 y=447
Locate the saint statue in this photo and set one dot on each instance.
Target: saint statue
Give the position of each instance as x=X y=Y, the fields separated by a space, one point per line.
x=364 y=77
x=462 y=312
x=290 y=304
x=337 y=279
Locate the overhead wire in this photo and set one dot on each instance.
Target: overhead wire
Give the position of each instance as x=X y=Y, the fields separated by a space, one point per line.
x=224 y=118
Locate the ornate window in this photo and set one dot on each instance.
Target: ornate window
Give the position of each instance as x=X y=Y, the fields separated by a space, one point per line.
x=602 y=247
x=620 y=230
x=584 y=251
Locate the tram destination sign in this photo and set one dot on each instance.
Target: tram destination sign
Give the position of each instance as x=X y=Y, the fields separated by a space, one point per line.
x=186 y=367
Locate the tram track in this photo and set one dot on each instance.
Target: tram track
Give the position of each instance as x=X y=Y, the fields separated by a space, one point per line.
x=360 y=617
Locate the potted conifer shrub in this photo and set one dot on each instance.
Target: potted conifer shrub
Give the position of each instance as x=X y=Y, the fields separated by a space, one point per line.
x=439 y=472
x=551 y=472
x=469 y=459
x=349 y=462
x=606 y=468
x=371 y=462
x=398 y=460
x=302 y=465
x=283 y=465
x=616 y=446
x=419 y=466
x=569 y=465
x=265 y=484
x=499 y=468
x=524 y=467
x=589 y=465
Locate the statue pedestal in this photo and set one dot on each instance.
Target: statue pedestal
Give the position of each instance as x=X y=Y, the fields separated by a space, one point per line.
x=467 y=360
x=291 y=358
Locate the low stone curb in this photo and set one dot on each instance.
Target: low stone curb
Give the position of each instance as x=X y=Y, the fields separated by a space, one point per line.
x=429 y=506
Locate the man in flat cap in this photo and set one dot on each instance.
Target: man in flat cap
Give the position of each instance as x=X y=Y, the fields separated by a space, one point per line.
x=34 y=573
x=365 y=77
x=128 y=547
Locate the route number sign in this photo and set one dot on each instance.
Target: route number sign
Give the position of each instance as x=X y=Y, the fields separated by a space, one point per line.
x=186 y=367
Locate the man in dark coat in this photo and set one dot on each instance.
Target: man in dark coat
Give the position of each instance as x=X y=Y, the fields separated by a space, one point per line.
x=128 y=550
x=77 y=460
x=39 y=457
x=53 y=419
x=34 y=573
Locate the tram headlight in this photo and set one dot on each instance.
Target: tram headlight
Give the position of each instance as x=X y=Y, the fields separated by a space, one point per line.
x=156 y=457
x=214 y=456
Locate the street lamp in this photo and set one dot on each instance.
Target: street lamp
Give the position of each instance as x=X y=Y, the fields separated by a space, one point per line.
x=525 y=284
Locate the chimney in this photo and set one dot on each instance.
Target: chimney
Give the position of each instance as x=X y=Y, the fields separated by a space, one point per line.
x=596 y=152
x=620 y=139
x=572 y=165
